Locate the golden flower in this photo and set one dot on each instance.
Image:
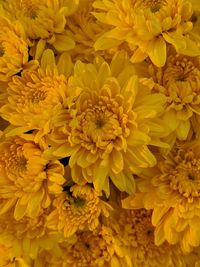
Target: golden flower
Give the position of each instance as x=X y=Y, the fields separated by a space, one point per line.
x=13 y=49
x=27 y=180
x=7 y=258
x=147 y=26
x=78 y=209
x=138 y=231
x=28 y=236
x=44 y=21
x=179 y=81
x=37 y=95
x=172 y=190
x=94 y=249
x=112 y=121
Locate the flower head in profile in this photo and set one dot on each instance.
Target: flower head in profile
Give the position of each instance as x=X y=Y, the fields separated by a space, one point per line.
x=76 y=210
x=13 y=49
x=36 y=95
x=113 y=120
x=27 y=180
x=172 y=190
x=44 y=21
x=138 y=231
x=147 y=26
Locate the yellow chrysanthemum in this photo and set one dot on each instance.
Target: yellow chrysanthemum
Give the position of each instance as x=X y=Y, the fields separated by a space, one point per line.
x=172 y=190
x=44 y=21
x=7 y=258
x=13 y=49
x=108 y=127
x=27 y=180
x=36 y=96
x=94 y=249
x=28 y=236
x=138 y=231
x=147 y=26
x=179 y=81
x=78 y=209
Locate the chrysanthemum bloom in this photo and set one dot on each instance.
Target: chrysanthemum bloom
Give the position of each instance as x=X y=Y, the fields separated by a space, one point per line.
x=27 y=180
x=147 y=26
x=138 y=231
x=44 y=21
x=113 y=120
x=13 y=49
x=7 y=258
x=179 y=81
x=78 y=209
x=28 y=236
x=37 y=95
x=172 y=190
x=96 y=248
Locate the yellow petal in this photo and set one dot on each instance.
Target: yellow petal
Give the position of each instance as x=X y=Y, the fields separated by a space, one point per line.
x=63 y=43
x=157 y=52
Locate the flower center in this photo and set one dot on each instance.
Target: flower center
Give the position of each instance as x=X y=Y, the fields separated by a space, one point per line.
x=99 y=123
x=186 y=178
x=37 y=96
x=29 y=9
x=179 y=69
x=153 y=5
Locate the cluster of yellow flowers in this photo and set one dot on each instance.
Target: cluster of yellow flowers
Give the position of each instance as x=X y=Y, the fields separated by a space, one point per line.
x=99 y=133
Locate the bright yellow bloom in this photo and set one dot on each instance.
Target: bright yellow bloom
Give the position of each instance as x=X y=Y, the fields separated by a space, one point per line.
x=44 y=21
x=179 y=81
x=138 y=232
x=27 y=180
x=147 y=26
x=172 y=190
x=28 y=236
x=36 y=96
x=94 y=249
x=108 y=127
x=77 y=209
x=13 y=49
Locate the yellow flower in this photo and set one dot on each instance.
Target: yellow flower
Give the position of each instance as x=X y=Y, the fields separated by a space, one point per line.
x=28 y=236
x=179 y=81
x=13 y=49
x=108 y=127
x=172 y=190
x=37 y=95
x=94 y=249
x=78 y=209
x=44 y=21
x=27 y=180
x=138 y=231
x=147 y=26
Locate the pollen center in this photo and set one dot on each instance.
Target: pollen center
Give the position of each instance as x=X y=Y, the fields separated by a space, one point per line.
x=153 y=5
x=186 y=178
x=29 y=9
